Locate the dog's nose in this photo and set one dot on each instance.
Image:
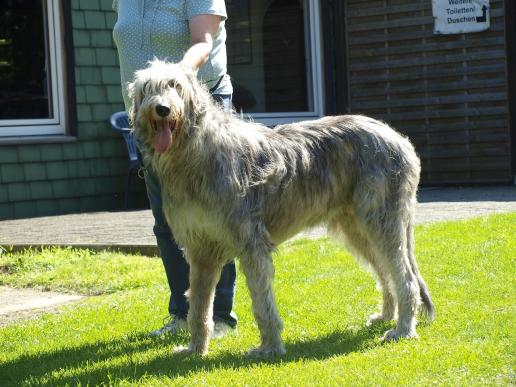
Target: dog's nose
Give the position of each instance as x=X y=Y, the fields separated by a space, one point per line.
x=162 y=111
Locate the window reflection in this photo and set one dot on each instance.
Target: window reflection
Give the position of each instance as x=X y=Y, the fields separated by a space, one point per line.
x=268 y=55
x=24 y=85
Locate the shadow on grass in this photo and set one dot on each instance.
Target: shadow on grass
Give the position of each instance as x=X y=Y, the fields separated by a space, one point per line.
x=94 y=363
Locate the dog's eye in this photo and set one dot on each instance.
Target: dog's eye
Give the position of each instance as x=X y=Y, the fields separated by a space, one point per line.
x=175 y=85
x=146 y=87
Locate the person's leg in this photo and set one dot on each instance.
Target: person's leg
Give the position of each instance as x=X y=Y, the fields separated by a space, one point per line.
x=224 y=296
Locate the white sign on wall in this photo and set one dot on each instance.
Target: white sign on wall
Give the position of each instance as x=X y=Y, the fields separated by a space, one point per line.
x=460 y=16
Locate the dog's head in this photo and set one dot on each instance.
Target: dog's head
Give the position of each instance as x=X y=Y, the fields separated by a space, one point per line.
x=165 y=103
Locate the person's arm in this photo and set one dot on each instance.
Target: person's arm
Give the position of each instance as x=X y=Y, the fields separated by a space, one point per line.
x=203 y=29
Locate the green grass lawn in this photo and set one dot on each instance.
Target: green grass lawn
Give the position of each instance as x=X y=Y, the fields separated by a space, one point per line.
x=324 y=299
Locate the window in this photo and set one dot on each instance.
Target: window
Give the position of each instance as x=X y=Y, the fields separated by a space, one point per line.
x=31 y=79
x=274 y=59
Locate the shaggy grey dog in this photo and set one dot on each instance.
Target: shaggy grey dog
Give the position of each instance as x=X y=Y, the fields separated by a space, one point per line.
x=238 y=189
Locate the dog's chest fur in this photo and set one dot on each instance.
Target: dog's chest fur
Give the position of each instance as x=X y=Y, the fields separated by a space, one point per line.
x=196 y=215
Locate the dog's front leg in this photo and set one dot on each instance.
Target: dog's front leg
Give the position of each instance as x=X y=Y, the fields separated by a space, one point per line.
x=259 y=273
x=204 y=276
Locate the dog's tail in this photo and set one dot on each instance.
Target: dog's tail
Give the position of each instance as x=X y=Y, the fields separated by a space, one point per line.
x=428 y=308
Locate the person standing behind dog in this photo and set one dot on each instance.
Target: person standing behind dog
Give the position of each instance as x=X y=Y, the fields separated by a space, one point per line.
x=191 y=32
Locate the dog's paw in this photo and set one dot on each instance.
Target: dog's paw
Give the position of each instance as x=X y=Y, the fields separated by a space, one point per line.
x=182 y=350
x=375 y=319
x=394 y=335
x=267 y=352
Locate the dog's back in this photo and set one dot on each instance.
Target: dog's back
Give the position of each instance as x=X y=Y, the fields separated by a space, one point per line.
x=312 y=169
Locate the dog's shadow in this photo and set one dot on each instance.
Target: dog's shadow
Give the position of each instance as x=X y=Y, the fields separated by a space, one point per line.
x=67 y=365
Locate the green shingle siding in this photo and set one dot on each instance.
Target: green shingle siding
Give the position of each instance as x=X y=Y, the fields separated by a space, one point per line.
x=24 y=209
x=83 y=113
x=6 y=211
x=62 y=189
x=72 y=151
x=12 y=173
x=102 y=39
x=95 y=94
x=28 y=153
x=80 y=94
x=4 y=196
x=100 y=112
x=85 y=56
x=52 y=152
x=57 y=170
x=8 y=155
x=81 y=38
x=41 y=190
x=90 y=75
x=67 y=205
x=35 y=171
x=106 y=57
x=90 y=174
x=113 y=148
x=111 y=76
x=79 y=169
x=95 y=20
x=113 y=95
x=88 y=5
x=107 y=185
x=47 y=207
x=110 y=18
x=78 y=19
x=86 y=186
x=20 y=191
x=91 y=131
x=90 y=149
x=105 y=5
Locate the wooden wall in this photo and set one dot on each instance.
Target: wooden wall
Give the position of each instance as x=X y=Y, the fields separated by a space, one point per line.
x=448 y=93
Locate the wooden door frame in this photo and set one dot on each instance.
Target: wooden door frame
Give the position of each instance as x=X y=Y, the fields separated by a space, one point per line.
x=335 y=56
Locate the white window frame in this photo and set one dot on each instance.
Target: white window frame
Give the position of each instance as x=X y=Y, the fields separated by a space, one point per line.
x=56 y=124
x=314 y=43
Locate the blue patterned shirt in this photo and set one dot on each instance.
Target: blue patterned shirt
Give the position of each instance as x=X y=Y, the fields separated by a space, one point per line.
x=148 y=29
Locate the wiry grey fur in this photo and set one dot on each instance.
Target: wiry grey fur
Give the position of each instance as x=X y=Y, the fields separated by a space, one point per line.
x=238 y=189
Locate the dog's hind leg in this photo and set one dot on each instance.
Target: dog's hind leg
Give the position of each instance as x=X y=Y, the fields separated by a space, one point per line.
x=345 y=227
x=259 y=273
x=388 y=311
x=204 y=276
x=389 y=239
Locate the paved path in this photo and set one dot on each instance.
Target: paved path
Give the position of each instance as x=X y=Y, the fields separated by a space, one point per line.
x=132 y=230
x=22 y=304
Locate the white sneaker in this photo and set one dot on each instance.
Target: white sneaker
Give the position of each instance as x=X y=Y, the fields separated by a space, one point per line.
x=172 y=326
x=221 y=329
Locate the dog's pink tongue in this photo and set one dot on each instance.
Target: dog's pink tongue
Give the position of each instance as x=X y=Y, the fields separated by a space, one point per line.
x=163 y=139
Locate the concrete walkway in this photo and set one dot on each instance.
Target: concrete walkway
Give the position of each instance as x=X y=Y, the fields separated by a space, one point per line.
x=24 y=304
x=131 y=231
